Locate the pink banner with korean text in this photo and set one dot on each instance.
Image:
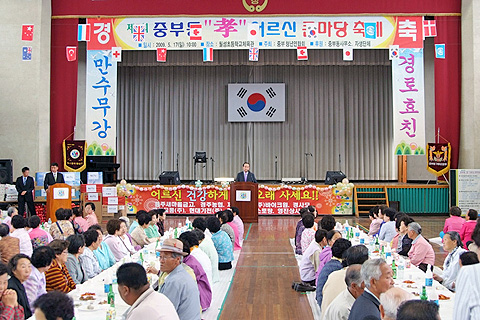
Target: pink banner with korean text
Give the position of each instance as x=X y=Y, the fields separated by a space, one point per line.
x=272 y=200
x=408 y=103
x=101 y=103
x=316 y=32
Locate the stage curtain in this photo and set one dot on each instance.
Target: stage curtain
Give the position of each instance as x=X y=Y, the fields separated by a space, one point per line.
x=63 y=94
x=332 y=110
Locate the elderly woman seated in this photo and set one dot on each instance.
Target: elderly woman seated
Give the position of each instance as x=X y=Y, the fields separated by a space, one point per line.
x=421 y=253
x=453 y=245
x=58 y=277
x=222 y=243
x=62 y=228
x=76 y=247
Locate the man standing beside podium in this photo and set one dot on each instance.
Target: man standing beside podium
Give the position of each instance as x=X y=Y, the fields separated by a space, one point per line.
x=25 y=186
x=53 y=177
x=246 y=175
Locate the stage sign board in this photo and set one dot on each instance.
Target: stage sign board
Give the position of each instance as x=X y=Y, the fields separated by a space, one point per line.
x=225 y=32
x=256 y=102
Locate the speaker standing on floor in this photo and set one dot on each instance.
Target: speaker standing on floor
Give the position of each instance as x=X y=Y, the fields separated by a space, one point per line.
x=6 y=171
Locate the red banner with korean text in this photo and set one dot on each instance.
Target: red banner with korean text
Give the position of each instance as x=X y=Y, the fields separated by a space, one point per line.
x=272 y=200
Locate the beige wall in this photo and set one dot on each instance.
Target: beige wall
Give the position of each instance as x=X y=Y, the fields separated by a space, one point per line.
x=25 y=85
x=470 y=114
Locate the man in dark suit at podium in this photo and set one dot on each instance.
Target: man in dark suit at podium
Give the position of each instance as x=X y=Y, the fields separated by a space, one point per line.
x=25 y=186
x=246 y=175
x=53 y=177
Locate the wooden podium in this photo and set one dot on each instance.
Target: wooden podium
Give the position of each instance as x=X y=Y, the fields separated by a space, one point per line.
x=244 y=196
x=59 y=195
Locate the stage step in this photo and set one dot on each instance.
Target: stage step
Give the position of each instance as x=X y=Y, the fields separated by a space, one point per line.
x=365 y=198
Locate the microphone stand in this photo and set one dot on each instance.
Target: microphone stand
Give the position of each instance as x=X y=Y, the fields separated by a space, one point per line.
x=276 y=169
x=306 y=165
x=177 y=160
x=213 y=175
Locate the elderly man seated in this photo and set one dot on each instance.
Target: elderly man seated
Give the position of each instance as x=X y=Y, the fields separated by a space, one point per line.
x=421 y=253
x=144 y=302
x=179 y=286
x=390 y=300
x=340 y=307
x=378 y=278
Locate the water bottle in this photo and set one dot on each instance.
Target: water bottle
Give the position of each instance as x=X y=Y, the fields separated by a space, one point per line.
x=433 y=295
x=429 y=277
x=401 y=269
x=49 y=223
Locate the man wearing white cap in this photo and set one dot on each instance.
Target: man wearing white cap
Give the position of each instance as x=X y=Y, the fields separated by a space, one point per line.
x=179 y=286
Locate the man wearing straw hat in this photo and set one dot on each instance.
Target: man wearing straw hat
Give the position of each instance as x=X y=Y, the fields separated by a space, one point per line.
x=179 y=286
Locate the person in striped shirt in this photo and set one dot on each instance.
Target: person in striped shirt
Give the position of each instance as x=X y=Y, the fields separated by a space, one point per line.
x=57 y=277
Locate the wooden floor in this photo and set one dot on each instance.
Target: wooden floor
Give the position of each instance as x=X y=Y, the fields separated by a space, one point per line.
x=261 y=287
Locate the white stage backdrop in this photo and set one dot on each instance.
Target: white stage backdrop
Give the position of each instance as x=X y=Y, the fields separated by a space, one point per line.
x=179 y=107
x=256 y=102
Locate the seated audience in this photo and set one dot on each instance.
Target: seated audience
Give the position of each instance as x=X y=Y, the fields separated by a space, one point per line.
x=339 y=308
x=152 y=230
x=454 y=246
x=139 y=236
x=126 y=237
x=200 y=275
x=38 y=236
x=222 y=215
x=418 y=310
x=62 y=228
x=421 y=253
x=299 y=230
x=375 y=221
x=455 y=222
x=179 y=287
x=326 y=253
x=19 y=232
x=338 y=251
x=310 y=259
x=328 y=223
x=468 y=226
x=76 y=247
x=54 y=305
x=381 y=210
x=112 y=239
x=88 y=260
x=208 y=247
x=36 y=284
x=401 y=242
x=79 y=219
x=467 y=285
x=162 y=216
x=71 y=217
x=390 y=300
x=222 y=244
x=104 y=255
x=197 y=253
x=20 y=268
x=57 y=276
x=9 y=246
x=334 y=285
x=91 y=216
x=236 y=244
x=468 y=258
x=238 y=222
x=11 y=211
x=387 y=232
x=9 y=307
x=378 y=278
x=308 y=234
x=144 y=302
x=135 y=223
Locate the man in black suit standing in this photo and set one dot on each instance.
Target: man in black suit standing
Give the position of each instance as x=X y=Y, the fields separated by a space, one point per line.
x=25 y=186
x=53 y=177
x=246 y=175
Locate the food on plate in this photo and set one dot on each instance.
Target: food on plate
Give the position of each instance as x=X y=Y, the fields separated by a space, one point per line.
x=87 y=296
x=408 y=281
x=416 y=294
x=443 y=297
x=412 y=287
x=103 y=302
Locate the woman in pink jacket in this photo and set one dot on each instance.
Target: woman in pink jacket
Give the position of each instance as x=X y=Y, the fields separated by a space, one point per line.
x=421 y=253
x=468 y=226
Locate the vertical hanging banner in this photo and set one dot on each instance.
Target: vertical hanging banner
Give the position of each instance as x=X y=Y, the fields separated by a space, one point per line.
x=101 y=99
x=438 y=158
x=74 y=157
x=408 y=103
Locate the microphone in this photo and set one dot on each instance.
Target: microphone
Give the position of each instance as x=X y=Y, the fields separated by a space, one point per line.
x=212 y=159
x=308 y=154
